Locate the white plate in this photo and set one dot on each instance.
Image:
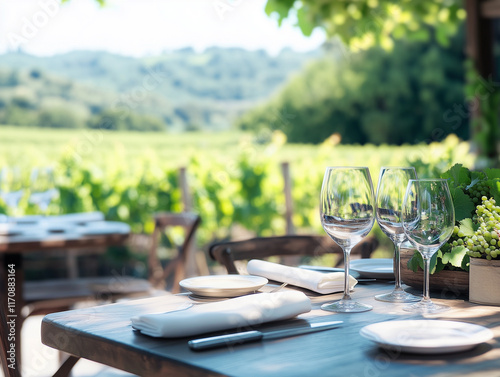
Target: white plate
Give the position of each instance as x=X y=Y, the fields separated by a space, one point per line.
x=223 y=285
x=381 y=268
x=426 y=336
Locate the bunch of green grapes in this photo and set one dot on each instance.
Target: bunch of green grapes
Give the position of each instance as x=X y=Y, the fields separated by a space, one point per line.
x=479 y=190
x=485 y=240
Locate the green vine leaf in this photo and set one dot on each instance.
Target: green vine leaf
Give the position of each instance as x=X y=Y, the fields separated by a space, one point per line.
x=458 y=176
x=492 y=173
x=495 y=190
x=456 y=256
x=415 y=262
x=468 y=227
x=464 y=206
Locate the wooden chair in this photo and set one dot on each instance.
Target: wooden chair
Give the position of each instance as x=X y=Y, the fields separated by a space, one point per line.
x=227 y=253
x=158 y=274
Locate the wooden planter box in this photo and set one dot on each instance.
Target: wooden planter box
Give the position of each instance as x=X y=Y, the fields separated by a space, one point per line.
x=449 y=283
x=484 y=281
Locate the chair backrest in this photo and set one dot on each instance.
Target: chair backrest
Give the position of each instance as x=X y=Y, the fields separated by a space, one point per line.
x=158 y=275
x=263 y=247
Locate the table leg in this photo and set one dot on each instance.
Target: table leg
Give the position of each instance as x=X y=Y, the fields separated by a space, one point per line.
x=12 y=300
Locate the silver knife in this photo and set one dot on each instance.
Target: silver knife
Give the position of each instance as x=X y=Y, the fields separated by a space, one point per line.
x=253 y=336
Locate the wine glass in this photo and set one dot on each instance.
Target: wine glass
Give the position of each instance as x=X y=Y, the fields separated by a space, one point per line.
x=11 y=188
x=428 y=222
x=347 y=216
x=42 y=188
x=391 y=190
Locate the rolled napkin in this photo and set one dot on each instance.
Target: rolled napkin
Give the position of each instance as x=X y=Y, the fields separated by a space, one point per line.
x=222 y=315
x=313 y=280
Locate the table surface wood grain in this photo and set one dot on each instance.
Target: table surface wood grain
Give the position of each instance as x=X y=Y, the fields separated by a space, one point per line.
x=104 y=334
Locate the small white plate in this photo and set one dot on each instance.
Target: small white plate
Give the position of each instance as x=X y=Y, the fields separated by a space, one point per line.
x=378 y=268
x=223 y=285
x=426 y=336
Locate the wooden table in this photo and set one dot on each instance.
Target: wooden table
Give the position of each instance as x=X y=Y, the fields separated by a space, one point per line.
x=35 y=235
x=104 y=334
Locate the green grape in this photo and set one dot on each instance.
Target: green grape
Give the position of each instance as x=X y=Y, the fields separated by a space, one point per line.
x=486 y=238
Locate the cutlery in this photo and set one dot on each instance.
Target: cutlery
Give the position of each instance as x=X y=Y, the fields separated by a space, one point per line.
x=253 y=336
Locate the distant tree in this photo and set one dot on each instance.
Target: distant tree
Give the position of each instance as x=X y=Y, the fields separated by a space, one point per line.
x=372 y=97
x=62 y=116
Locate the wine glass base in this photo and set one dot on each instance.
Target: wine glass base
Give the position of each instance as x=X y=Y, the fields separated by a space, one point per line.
x=346 y=306
x=425 y=307
x=398 y=296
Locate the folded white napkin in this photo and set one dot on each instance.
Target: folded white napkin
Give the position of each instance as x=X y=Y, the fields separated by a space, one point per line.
x=313 y=280
x=222 y=315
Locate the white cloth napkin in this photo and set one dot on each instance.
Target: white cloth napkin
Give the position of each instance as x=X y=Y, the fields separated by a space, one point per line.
x=313 y=280
x=222 y=315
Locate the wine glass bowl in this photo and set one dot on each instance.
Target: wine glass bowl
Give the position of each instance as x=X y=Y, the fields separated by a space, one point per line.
x=391 y=190
x=428 y=222
x=347 y=216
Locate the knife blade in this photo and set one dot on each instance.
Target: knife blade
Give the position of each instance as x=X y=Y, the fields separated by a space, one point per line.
x=253 y=336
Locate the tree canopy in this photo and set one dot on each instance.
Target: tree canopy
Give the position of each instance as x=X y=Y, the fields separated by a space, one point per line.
x=365 y=23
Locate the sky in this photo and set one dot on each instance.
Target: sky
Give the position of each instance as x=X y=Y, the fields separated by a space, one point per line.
x=145 y=27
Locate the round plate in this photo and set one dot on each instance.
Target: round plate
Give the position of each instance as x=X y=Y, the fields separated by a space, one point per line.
x=380 y=268
x=223 y=285
x=426 y=336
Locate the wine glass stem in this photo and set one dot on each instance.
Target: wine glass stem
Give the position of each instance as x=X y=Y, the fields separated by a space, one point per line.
x=347 y=253
x=427 y=263
x=397 y=265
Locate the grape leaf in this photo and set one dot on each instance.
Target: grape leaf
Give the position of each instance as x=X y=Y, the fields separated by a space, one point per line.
x=492 y=173
x=465 y=263
x=494 y=186
x=456 y=256
x=473 y=182
x=458 y=175
x=439 y=264
x=468 y=227
x=415 y=262
x=463 y=204
x=477 y=175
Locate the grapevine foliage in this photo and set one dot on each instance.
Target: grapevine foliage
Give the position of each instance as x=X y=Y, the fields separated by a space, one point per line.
x=477 y=228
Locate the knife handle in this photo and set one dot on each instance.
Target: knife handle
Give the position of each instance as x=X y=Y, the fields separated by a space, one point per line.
x=225 y=340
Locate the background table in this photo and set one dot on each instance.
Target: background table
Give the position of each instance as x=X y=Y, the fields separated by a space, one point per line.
x=104 y=334
x=43 y=234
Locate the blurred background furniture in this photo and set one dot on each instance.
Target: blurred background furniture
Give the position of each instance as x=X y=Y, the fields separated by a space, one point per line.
x=168 y=275
x=51 y=295
x=227 y=253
